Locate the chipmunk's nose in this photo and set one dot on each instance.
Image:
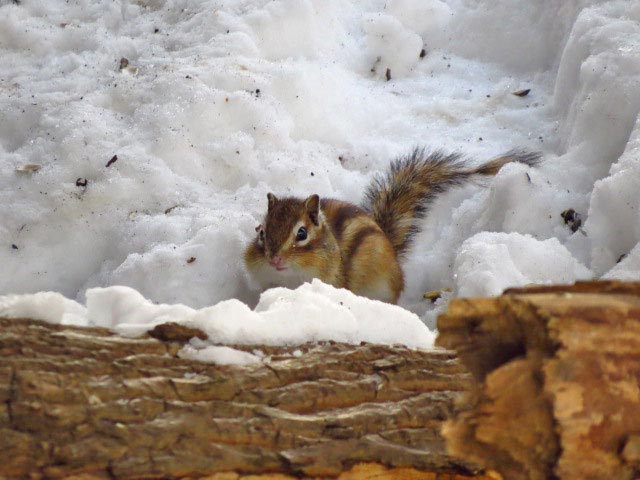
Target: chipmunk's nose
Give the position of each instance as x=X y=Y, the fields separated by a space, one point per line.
x=277 y=262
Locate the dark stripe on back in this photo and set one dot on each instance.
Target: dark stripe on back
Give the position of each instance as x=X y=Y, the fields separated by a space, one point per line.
x=341 y=216
x=357 y=240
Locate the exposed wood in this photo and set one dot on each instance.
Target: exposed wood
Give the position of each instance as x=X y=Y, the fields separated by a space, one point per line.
x=557 y=389
x=362 y=471
x=89 y=404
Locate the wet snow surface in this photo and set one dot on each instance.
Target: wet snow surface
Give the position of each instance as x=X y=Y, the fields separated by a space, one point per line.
x=138 y=140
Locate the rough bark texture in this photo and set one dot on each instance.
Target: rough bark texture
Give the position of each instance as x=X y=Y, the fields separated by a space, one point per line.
x=86 y=404
x=558 y=381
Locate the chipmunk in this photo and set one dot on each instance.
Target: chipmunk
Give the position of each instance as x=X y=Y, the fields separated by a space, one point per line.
x=359 y=247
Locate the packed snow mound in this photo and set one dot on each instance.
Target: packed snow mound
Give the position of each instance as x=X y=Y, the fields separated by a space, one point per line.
x=50 y=307
x=613 y=223
x=311 y=313
x=488 y=263
x=627 y=267
x=139 y=139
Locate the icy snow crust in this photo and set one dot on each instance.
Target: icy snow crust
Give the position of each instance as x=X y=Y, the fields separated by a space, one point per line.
x=224 y=101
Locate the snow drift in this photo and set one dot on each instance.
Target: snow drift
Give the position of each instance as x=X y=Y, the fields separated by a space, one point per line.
x=157 y=127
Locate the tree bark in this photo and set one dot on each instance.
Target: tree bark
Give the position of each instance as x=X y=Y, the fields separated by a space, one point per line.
x=87 y=404
x=557 y=381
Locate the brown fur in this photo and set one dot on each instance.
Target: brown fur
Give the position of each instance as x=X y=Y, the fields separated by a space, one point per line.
x=358 y=248
x=349 y=250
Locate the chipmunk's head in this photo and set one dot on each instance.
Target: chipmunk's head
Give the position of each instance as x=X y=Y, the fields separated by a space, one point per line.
x=292 y=229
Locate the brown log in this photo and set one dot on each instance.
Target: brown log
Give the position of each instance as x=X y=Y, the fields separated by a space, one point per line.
x=87 y=404
x=557 y=391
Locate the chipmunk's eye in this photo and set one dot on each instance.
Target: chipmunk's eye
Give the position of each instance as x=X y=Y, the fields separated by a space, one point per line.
x=302 y=234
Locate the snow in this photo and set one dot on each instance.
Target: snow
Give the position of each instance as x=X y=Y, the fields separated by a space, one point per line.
x=220 y=355
x=488 y=263
x=50 y=307
x=313 y=312
x=224 y=101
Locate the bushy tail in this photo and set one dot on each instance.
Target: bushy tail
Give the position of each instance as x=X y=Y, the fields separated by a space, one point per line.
x=402 y=196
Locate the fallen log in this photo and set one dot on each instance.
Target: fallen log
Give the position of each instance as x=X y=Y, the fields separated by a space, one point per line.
x=557 y=390
x=87 y=404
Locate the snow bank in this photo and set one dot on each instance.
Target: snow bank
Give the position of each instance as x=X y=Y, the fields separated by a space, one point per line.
x=50 y=307
x=524 y=36
x=488 y=263
x=591 y=165
x=313 y=312
x=613 y=223
x=596 y=91
x=627 y=267
x=152 y=172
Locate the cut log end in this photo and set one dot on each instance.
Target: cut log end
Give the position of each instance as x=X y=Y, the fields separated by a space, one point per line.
x=557 y=390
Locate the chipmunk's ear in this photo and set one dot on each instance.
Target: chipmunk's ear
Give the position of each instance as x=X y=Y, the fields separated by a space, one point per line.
x=312 y=205
x=272 y=200
x=260 y=232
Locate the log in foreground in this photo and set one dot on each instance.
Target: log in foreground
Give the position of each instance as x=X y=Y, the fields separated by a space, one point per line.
x=558 y=381
x=87 y=404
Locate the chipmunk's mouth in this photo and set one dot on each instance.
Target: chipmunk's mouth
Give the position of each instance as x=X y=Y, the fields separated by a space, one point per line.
x=278 y=263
